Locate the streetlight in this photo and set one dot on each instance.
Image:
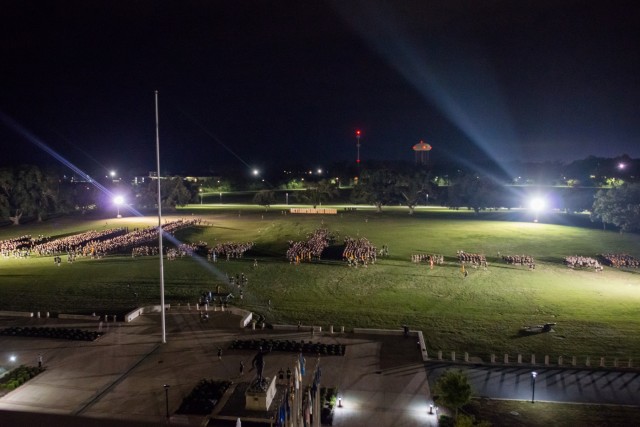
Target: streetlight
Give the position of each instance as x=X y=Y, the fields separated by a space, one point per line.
x=118 y=200
x=200 y=191
x=166 y=397
x=534 y=374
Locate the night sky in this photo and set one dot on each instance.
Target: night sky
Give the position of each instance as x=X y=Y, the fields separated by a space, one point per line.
x=266 y=84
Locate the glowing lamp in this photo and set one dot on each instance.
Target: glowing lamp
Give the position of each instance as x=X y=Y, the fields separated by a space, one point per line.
x=537 y=203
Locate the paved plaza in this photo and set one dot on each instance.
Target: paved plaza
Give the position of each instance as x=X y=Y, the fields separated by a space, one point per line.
x=383 y=381
x=382 y=378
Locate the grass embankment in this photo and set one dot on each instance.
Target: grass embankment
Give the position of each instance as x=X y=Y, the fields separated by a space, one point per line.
x=597 y=313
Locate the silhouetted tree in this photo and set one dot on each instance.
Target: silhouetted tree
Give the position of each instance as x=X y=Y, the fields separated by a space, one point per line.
x=619 y=206
x=453 y=390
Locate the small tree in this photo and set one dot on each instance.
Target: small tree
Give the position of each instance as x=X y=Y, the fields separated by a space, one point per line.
x=264 y=198
x=453 y=390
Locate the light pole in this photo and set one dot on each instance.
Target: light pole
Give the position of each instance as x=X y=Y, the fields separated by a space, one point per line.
x=534 y=374
x=221 y=197
x=200 y=191
x=166 y=398
x=286 y=197
x=118 y=200
x=537 y=205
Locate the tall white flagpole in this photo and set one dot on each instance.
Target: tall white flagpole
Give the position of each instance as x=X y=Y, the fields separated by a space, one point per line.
x=162 y=309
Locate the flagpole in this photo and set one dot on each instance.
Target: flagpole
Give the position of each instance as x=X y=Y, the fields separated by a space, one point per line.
x=162 y=309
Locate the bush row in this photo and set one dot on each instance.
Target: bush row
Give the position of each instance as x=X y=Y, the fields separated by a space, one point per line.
x=290 y=346
x=59 y=333
x=203 y=397
x=18 y=376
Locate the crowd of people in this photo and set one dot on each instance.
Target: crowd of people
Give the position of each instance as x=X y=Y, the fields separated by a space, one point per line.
x=359 y=252
x=520 y=260
x=76 y=242
x=310 y=249
x=123 y=242
x=229 y=250
x=577 y=261
x=18 y=247
x=432 y=259
x=473 y=259
x=94 y=244
x=620 y=260
x=186 y=249
x=144 y=250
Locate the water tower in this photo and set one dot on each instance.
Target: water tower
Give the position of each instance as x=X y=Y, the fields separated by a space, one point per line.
x=421 y=151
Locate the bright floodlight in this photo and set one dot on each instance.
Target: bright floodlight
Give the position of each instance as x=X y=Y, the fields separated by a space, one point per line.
x=256 y=172
x=319 y=171
x=12 y=358
x=537 y=203
x=112 y=173
x=621 y=165
x=118 y=200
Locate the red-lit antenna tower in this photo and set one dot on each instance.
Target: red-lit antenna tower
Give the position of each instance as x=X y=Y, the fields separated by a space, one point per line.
x=358 y=146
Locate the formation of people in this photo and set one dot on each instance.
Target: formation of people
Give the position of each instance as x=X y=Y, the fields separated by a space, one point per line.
x=229 y=250
x=359 y=252
x=577 y=261
x=474 y=259
x=520 y=260
x=310 y=249
x=432 y=259
x=621 y=260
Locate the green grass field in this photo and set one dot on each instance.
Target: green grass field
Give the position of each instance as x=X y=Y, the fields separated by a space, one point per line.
x=597 y=314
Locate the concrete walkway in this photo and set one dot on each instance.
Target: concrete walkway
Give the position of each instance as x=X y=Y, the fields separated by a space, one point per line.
x=382 y=378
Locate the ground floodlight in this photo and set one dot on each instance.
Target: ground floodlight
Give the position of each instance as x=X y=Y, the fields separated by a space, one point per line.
x=118 y=200
x=537 y=203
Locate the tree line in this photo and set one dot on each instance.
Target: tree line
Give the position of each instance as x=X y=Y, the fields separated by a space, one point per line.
x=28 y=191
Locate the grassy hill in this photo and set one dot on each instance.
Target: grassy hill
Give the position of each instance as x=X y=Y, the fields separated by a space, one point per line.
x=597 y=314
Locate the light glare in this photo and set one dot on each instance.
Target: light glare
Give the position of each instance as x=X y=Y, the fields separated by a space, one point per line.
x=537 y=203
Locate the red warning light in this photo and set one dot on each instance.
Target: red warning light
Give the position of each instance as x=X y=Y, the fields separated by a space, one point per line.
x=358 y=161
x=358 y=133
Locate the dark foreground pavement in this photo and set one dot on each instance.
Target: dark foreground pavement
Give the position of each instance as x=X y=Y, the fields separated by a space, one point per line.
x=118 y=379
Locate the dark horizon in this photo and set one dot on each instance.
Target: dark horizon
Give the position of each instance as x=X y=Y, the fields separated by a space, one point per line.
x=248 y=84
